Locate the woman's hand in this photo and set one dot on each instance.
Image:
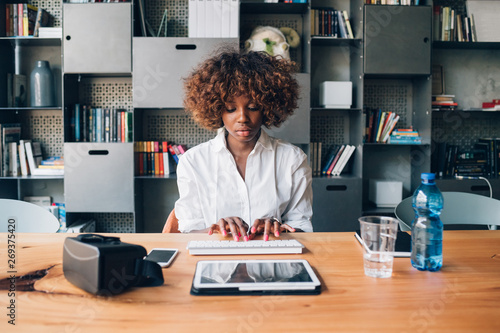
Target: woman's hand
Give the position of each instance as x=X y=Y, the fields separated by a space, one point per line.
x=269 y=225
x=235 y=225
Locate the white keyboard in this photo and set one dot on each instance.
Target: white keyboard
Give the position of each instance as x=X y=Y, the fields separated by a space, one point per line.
x=210 y=247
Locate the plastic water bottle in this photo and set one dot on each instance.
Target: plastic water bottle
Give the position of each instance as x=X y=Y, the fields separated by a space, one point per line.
x=427 y=228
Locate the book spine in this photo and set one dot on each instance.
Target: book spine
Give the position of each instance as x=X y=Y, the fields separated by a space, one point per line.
x=107 y=124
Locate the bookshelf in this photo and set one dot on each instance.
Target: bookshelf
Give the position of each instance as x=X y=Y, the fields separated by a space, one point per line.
x=18 y=54
x=119 y=72
x=469 y=71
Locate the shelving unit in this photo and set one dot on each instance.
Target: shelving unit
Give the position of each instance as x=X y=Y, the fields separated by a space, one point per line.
x=44 y=124
x=470 y=73
x=388 y=62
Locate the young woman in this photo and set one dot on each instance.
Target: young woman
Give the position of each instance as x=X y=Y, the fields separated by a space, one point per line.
x=243 y=181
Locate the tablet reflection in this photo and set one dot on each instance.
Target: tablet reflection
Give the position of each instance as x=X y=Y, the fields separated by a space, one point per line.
x=232 y=272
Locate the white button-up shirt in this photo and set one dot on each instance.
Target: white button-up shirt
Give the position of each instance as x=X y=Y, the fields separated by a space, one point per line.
x=277 y=184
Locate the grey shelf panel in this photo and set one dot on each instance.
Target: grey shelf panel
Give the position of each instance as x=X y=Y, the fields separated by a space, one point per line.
x=256 y=7
x=29 y=108
x=333 y=41
x=32 y=41
x=466 y=45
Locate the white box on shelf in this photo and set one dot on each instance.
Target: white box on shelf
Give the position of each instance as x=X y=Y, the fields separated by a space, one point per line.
x=335 y=94
x=384 y=193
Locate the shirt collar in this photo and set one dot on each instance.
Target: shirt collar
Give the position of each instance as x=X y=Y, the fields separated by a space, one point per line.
x=219 y=141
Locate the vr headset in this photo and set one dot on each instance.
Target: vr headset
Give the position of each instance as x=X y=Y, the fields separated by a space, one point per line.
x=106 y=266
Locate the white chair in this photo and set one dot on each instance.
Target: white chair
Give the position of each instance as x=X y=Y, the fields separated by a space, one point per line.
x=28 y=217
x=459 y=208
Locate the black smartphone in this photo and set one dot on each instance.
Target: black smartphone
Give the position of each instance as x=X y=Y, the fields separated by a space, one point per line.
x=163 y=257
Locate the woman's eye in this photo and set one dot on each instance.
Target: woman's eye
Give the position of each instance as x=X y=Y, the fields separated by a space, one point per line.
x=253 y=108
x=230 y=109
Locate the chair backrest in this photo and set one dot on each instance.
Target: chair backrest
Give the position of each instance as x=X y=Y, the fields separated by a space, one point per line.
x=28 y=217
x=172 y=224
x=459 y=208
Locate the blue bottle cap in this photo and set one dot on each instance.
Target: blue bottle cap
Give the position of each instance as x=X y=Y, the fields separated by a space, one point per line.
x=427 y=176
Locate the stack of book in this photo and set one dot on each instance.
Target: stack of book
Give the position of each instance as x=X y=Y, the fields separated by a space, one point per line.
x=21 y=157
x=443 y=102
x=337 y=159
x=22 y=19
x=405 y=136
x=492 y=147
x=213 y=18
x=328 y=22
x=482 y=160
x=470 y=163
x=450 y=26
x=393 y=2
x=494 y=105
x=157 y=157
x=380 y=125
x=100 y=124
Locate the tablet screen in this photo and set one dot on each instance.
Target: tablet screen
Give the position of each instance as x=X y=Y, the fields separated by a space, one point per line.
x=255 y=275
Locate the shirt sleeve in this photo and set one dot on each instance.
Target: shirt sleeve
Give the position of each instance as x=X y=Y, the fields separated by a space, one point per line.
x=298 y=213
x=188 y=208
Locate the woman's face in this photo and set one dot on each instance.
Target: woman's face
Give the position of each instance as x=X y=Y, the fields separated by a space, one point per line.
x=242 y=119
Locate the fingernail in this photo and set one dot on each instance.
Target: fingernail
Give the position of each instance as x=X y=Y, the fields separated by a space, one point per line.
x=209 y=232
x=245 y=238
x=266 y=238
x=224 y=233
x=277 y=234
x=293 y=230
x=239 y=234
x=236 y=238
x=253 y=230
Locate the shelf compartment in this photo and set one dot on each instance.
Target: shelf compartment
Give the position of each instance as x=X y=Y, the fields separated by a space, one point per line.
x=96 y=179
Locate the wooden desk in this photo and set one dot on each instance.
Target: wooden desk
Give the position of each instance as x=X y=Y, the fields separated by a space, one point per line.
x=463 y=297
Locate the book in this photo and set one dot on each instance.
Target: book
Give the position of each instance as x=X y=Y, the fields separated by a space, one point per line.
x=343 y=160
x=217 y=18
x=348 y=24
x=22 y=158
x=42 y=20
x=77 y=116
x=169 y=164
x=192 y=18
x=29 y=156
x=234 y=18
x=336 y=159
x=13 y=160
x=225 y=24
x=201 y=18
x=209 y=17
x=329 y=158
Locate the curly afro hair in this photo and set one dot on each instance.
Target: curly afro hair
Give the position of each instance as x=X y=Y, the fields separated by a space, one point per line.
x=267 y=80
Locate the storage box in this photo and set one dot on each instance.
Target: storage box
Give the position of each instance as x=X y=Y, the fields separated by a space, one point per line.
x=335 y=94
x=385 y=193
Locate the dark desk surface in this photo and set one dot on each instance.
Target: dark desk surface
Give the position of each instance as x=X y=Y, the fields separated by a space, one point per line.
x=463 y=297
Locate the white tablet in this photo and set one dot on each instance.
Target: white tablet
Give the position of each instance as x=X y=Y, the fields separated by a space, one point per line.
x=255 y=277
